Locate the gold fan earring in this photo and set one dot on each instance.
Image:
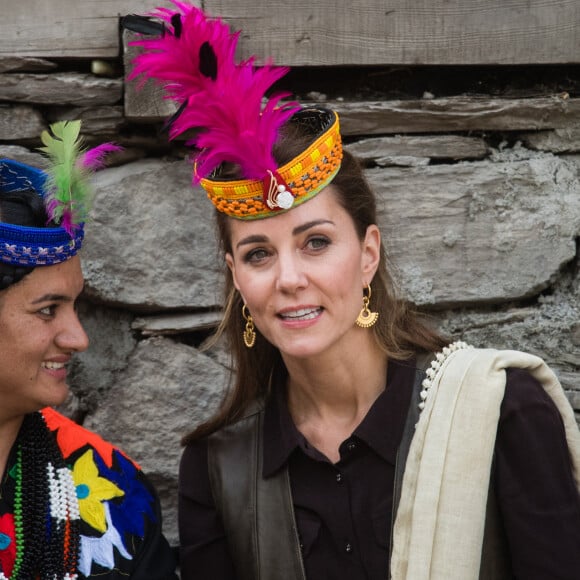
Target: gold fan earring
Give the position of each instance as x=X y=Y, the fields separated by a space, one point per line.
x=249 y=332
x=366 y=317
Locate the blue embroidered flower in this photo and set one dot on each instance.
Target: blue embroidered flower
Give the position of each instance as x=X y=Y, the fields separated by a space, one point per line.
x=128 y=515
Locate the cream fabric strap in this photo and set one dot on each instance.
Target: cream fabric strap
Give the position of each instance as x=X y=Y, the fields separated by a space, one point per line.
x=438 y=531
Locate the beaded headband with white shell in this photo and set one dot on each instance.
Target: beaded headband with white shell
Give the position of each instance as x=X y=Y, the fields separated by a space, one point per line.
x=193 y=57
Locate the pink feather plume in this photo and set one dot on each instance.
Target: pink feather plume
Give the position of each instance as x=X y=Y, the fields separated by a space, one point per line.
x=227 y=106
x=94 y=158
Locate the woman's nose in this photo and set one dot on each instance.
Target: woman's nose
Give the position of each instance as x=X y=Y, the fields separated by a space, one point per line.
x=73 y=336
x=291 y=273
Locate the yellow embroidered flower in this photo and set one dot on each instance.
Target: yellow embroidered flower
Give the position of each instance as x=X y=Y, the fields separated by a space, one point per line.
x=92 y=490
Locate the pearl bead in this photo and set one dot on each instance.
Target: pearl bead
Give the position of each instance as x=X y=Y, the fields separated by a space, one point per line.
x=436 y=366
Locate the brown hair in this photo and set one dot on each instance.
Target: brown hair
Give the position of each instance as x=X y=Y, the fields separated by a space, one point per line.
x=399 y=331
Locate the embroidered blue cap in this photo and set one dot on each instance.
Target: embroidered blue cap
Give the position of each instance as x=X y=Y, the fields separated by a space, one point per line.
x=31 y=246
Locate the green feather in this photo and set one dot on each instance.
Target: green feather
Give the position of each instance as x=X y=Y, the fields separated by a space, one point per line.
x=67 y=185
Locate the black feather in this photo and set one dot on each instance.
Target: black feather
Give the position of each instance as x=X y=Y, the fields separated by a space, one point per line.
x=143 y=25
x=172 y=119
x=208 y=61
x=177 y=26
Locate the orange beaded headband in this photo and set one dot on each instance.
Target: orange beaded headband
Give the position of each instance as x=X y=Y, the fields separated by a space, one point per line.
x=293 y=183
x=235 y=124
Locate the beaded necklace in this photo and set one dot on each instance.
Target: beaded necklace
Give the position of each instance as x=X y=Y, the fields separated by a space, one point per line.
x=46 y=512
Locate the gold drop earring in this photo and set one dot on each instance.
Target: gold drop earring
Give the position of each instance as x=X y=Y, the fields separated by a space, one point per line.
x=249 y=332
x=366 y=317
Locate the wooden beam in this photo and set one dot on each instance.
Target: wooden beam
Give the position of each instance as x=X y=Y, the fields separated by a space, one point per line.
x=407 y=32
x=67 y=28
x=325 y=32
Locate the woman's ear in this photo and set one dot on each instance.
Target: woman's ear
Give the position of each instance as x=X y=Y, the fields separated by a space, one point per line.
x=232 y=267
x=371 y=252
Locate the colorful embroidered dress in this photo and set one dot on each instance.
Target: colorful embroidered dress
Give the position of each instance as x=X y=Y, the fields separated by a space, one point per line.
x=74 y=506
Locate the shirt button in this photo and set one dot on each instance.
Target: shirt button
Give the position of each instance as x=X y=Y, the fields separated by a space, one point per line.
x=339 y=478
x=351 y=446
x=348 y=548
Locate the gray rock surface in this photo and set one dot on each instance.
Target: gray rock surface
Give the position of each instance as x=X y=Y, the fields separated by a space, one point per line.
x=487 y=232
x=150 y=245
x=165 y=390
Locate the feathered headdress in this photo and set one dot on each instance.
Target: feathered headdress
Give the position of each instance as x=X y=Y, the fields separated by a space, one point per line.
x=65 y=190
x=193 y=57
x=68 y=189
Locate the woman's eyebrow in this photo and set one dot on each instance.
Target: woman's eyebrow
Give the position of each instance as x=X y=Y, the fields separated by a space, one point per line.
x=260 y=239
x=52 y=298
x=302 y=228
x=255 y=239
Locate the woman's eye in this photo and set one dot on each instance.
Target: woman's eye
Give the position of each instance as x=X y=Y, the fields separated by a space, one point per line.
x=47 y=310
x=318 y=243
x=256 y=255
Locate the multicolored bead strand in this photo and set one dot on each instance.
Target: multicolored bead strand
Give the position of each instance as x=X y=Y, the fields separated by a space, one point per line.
x=46 y=510
x=18 y=524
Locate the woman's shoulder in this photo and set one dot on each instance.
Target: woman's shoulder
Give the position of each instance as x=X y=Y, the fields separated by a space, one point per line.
x=73 y=439
x=118 y=505
x=525 y=393
x=230 y=437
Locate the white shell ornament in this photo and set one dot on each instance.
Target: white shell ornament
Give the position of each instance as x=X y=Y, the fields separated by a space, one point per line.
x=285 y=199
x=279 y=196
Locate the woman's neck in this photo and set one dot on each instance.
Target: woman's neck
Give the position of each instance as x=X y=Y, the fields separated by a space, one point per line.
x=334 y=394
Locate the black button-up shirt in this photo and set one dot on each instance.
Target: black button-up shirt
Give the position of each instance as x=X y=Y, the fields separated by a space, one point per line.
x=344 y=510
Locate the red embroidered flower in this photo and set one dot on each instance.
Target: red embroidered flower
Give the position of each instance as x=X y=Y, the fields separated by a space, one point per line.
x=7 y=544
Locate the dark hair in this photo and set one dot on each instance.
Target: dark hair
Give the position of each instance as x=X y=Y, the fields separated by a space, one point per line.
x=22 y=208
x=399 y=331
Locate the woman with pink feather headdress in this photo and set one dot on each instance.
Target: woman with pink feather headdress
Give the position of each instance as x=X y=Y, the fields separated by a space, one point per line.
x=72 y=505
x=354 y=442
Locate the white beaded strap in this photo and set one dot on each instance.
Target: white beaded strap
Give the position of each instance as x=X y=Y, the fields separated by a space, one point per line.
x=64 y=501
x=436 y=365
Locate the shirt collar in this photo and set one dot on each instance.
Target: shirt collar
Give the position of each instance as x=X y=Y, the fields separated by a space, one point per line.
x=381 y=429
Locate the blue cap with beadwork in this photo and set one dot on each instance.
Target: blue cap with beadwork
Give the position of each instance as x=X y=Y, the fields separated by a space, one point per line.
x=30 y=246
x=65 y=190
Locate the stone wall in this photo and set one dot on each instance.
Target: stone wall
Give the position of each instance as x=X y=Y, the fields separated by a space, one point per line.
x=479 y=199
